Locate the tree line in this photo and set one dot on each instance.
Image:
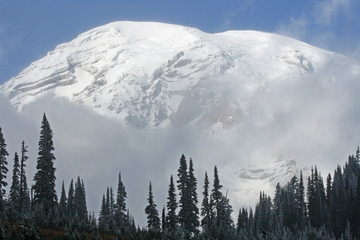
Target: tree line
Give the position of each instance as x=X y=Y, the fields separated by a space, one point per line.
x=314 y=211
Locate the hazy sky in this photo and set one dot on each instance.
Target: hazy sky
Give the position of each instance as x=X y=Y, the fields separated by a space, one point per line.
x=29 y=29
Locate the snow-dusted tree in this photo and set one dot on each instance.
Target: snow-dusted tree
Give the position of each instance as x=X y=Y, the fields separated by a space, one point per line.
x=44 y=188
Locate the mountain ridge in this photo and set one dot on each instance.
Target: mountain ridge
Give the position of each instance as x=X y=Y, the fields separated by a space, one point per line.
x=146 y=74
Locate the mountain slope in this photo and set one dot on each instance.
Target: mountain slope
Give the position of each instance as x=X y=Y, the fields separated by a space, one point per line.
x=153 y=74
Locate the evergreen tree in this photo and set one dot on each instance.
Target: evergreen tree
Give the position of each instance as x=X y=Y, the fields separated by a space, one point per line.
x=302 y=204
x=70 y=199
x=3 y=171
x=316 y=199
x=185 y=197
x=194 y=210
x=171 y=217
x=24 y=191
x=205 y=206
x=216 y=197
x=163 y=220
x=63 y=204
x=103 y=216
x=15 y=187
x=153 y=219
x=44 y=188
x=120 y=210
x=263 y=215
x=80 y=201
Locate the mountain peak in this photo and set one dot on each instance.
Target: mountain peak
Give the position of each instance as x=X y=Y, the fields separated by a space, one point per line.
x=150 y=74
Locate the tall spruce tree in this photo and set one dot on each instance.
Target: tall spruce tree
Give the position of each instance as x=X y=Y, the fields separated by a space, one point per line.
x=44 y=188
x=194 y=210
x=205 y=206
x=183 y=192
x=153 y=220
x=62 y=207
x=120 y=209
x=3 y=170
x=171 y=218
x=80 y=201
x=15 y=189
x=24 y=190
x=70 y=199
x=216 y=197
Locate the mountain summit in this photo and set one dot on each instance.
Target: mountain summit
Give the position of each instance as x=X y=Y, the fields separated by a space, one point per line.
x=149 y=74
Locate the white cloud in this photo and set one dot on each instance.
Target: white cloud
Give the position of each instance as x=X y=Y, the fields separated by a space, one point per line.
x=296 y=27
x=229 y=17
x=319 y=25
x=325 y=12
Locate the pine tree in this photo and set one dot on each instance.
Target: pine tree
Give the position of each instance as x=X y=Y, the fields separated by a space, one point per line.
x=205 y=206
x=171 y=217
x=63 y=204
x=103 y=216
x=194 y=210
x=3 y=171
x=44 y=188
x=153 y=219
x=216 y=196
x=24 y=191
x=80 y=201
x=302 y=205
x=185 y=198
x=15 y=187
x=163 y=220
x=70 y=200
x=316 y=199
x=120 y=210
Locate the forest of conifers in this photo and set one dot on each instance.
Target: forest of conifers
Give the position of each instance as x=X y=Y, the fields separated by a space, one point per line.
x=301 y=209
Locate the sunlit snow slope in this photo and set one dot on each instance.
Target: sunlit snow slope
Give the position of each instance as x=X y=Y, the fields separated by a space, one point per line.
x=155 y=75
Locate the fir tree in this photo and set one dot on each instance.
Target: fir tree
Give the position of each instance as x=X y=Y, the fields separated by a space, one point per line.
x=153 y=219
x=63 y=204
x=185 y=198
x=205 y=206
x=3 y=170
x=70 y=199
x=216 y=196
x=24 y=191
x=15 y=186
x=80 y=201
x=194 y=210
x=171 y=217
x=103 y=216
x=44 y=188
x=120 y=210
x=163 y=220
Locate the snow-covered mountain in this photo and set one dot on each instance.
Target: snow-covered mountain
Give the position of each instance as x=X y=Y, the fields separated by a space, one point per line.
x=260 y=106
x=155 y=75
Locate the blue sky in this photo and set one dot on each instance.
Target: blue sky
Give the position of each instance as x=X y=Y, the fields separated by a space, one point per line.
x=29 y=29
